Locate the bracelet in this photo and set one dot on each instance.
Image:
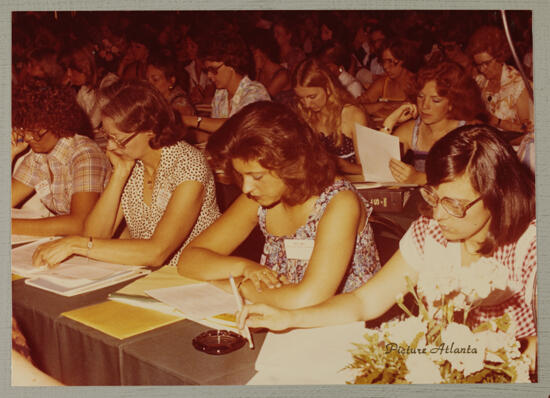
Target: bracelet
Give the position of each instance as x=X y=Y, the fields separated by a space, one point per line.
x=89 y=246
x=199 y=120
x=386 y=129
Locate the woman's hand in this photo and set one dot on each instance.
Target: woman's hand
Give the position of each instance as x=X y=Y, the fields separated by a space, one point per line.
x=258 y=274
x=400 y=115
x=50 y=254
x=122 y=165
x=405 y=173
x=263 y=316
x=18 y=145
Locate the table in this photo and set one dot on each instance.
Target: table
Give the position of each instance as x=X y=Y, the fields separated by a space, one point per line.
x=80 y=355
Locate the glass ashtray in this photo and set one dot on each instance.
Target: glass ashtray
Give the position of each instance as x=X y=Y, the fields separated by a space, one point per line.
x=218 y=342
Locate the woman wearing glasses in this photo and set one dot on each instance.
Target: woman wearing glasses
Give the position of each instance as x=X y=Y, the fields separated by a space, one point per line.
x=482 y=209
x=227 y=63
x=440 y=107
x=397 y=86
x=502 y=88
x=161 y=186
x=64 y=168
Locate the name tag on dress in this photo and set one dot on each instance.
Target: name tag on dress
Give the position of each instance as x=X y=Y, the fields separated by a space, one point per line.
x=299 y=249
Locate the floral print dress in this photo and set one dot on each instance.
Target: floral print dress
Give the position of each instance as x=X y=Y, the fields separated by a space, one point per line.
x=365 y=261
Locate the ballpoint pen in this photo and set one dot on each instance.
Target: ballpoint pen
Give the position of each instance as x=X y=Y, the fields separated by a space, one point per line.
x=240 y=307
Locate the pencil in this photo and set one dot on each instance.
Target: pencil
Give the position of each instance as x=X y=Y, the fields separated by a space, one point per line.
x=240 y=307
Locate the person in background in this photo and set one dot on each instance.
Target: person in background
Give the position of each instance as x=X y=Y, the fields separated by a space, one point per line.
x=290 y=55
x=318 y=238
x=64 y=167
x=476 y=216
x=330 y=111
x=269 y=73
x=448 y=98
x=42 y=68
x=161 y=187
x=502 y=88
x=337 y=59
x=398 y=85
x=451 y=42
x=227 y=62
x=133 y=64
x=201 y=89
x=161 y=73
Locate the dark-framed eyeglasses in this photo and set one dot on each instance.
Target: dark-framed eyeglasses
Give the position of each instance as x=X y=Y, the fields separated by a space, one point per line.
x=484 y=64
x=35 y=133
x=122 y=144
x=213 y=69
x=453 y=207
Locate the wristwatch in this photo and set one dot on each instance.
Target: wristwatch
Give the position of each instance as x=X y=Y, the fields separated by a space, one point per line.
x=199 y=120
x=90 y=246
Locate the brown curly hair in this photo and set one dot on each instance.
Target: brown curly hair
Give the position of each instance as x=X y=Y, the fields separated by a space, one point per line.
x=136 y=106
x=491 y=40
x=455 y=85
x=50 y=107
x=274 y=136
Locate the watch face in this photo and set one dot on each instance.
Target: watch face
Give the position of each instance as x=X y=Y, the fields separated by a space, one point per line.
x=218 y=342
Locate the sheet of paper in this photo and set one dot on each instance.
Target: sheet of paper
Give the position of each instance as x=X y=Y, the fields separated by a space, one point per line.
x=29 y=213
x=120 y=320
x=166 y=276
x=375 y=151
x=197 y=301
x=21 y=258
x=301 y=356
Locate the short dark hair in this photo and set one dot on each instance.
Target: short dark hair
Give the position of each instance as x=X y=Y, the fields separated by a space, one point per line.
x=279 y=140
x=136 y=106
x=491 y=40
x=403 y=50
x=506 y=186
x=229 y=48
x=453 y=83
x=51 y=107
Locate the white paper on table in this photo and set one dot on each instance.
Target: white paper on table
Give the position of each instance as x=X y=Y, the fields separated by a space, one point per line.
x=308 y=356
x=375 y=151
x=29 y=213
x=197 y=301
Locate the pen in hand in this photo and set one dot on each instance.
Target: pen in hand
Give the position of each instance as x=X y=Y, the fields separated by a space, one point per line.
x=240 y=307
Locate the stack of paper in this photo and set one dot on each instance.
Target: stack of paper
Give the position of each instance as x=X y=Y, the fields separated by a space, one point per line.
x=73 y=276
x=375 y=151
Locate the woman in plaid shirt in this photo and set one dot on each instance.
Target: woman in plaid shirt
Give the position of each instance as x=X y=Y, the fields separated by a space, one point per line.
x=482 y=202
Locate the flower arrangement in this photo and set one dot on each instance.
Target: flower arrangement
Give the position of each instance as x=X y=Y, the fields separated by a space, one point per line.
x=437 y=345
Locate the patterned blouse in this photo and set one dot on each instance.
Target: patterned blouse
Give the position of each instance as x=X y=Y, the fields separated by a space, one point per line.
x=424 y=247
x=365 y=262
x=345 y=151
x=179 y=163
x=248 y=92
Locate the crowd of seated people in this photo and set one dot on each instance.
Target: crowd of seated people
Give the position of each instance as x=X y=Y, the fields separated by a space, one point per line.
x=121 y=122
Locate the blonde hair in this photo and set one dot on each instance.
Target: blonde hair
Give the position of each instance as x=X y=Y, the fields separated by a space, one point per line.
x=311 y=73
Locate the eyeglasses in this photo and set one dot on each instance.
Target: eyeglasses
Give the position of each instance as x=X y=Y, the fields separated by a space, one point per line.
x=454 y=207
x=392 y=62
x=484 y=64
x=36 y=134
x=213 y=69
x=121 y=144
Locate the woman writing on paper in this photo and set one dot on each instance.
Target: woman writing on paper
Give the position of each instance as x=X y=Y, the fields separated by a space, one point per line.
x=161 y=186
x=64 y=167
x=330 y=111
x=318 y=239
x=448 y=98
x=483 y=212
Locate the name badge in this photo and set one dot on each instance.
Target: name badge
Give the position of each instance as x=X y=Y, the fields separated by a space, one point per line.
x=299 y=249
x=43 y=189
x=163 y=197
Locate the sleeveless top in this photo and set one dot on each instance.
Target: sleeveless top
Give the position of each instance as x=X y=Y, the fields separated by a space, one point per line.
x=345 y=151
x=365 y=261
x=419 y=157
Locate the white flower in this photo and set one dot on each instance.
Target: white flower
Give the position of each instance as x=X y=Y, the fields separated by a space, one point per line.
x=522 y=370
x=404 y=332
x=461 y=349
x=421 y=370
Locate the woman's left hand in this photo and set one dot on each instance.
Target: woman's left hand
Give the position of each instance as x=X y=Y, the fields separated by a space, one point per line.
x=261 y=274
x=405 y=173
x=50 y=254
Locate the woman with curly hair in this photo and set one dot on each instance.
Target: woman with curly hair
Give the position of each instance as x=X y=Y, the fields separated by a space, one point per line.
x=161 y=186
x=318 y=238
x=448 y=98
x=64 y=167
x=502 y=89
x=330 y=111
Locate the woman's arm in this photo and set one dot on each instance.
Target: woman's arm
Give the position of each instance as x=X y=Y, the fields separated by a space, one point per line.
x=173 y=228
x=278 y=83
x=71 y=224
x=209 y=124
x=332 y=254
x=350 y=116
x=367 y=302
x=374 y=92
x=207 y=257
x=19 y=192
